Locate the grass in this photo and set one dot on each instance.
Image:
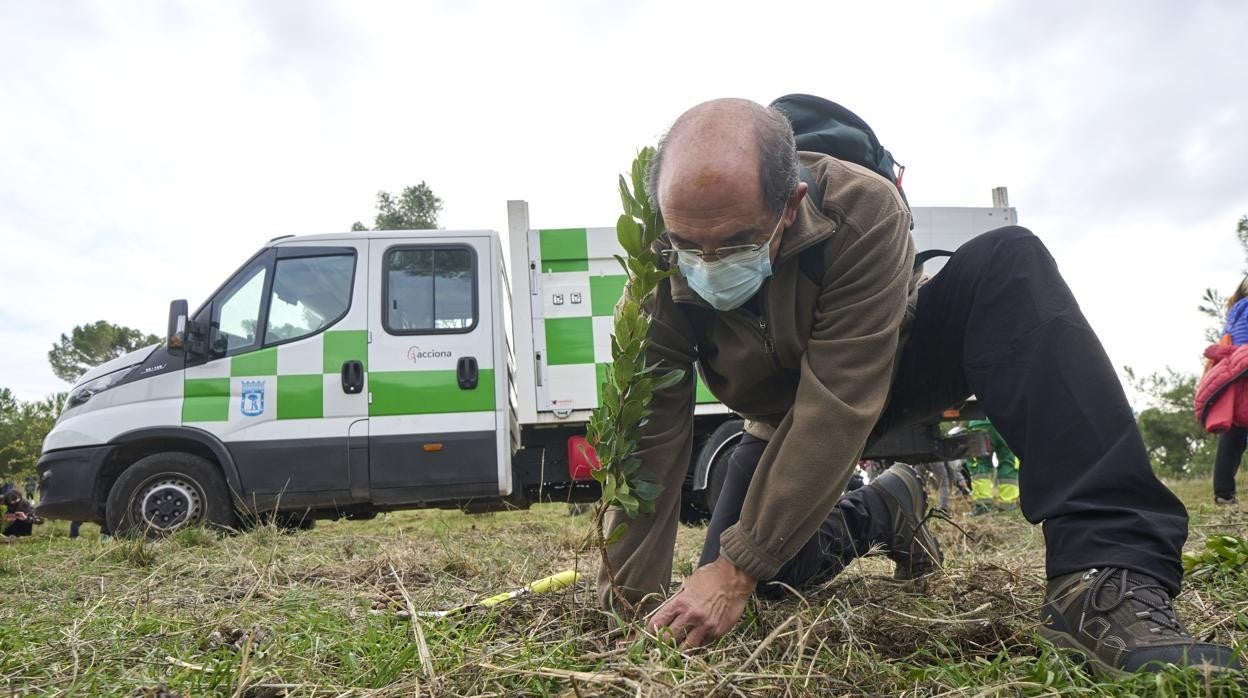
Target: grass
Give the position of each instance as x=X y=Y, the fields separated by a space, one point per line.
x=325 y=613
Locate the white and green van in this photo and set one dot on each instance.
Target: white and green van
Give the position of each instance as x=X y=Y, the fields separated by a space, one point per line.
x=347 y=374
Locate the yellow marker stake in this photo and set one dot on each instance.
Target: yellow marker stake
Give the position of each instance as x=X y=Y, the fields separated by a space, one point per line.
x=563 y=580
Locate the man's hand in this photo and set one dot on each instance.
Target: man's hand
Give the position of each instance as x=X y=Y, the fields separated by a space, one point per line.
x=708 y=604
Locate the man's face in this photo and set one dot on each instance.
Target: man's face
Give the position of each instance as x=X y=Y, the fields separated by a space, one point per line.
x=716 y=201
x=712 y=210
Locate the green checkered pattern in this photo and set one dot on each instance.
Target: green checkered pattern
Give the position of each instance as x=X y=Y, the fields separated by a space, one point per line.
x=294 y=378
x=581 y=283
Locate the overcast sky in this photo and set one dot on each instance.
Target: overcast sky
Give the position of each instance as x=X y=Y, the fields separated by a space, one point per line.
x=147 y=148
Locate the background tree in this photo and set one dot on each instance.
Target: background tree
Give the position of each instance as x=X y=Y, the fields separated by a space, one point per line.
x=91 y=345
x=415 y=208
x=1176 y=443
x=23 y=426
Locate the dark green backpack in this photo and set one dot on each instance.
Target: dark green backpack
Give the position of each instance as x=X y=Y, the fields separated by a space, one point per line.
x=823 y=126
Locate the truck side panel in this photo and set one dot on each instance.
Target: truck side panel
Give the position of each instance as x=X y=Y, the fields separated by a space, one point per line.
x=435 y=393
x=575 y=287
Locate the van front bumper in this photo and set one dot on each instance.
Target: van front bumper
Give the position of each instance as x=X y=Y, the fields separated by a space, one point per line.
x=67 y=484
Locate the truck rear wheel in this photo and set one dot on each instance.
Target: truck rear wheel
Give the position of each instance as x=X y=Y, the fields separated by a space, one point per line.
x=166 y=492
x=712 y=459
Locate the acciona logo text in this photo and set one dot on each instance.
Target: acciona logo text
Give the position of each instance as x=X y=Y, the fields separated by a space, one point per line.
x=416 y=354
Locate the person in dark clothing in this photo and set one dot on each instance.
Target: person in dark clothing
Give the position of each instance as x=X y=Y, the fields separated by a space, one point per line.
x=1231 y=442
x=822 y=367
x=30 y=487
x=19 y=517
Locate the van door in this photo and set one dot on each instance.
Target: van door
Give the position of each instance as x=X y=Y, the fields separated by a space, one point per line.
x=432 y=418
x=284 y=379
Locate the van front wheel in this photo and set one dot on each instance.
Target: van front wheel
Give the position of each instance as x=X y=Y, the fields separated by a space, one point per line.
x=166 y=492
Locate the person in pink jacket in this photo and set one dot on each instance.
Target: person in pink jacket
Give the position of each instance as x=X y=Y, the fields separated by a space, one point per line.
x=1231 y=442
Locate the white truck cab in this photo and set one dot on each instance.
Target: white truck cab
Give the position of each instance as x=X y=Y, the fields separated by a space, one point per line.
x=346 y=374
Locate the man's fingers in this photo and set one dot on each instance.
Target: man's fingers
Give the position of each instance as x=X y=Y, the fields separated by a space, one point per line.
x=665 y=615
x=673 y=622
x=699 y=635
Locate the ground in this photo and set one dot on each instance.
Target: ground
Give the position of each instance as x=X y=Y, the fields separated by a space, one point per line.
x=325 y=612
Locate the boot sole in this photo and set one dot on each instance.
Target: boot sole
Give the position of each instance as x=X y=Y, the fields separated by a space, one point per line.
x=1066 y=641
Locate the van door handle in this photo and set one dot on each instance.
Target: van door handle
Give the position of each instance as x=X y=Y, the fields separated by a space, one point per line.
x=466 y=372
x=352 y=377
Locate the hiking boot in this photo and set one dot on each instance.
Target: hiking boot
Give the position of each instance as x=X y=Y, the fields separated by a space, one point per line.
x=980 y=507
x=1123 y=621
x=913 y=547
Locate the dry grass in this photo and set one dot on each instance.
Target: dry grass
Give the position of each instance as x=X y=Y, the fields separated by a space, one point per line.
x=329 y=612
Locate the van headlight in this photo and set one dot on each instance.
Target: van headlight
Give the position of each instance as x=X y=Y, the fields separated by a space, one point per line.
x=93 y=387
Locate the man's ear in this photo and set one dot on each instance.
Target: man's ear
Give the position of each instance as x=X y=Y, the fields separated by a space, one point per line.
x=790 y=213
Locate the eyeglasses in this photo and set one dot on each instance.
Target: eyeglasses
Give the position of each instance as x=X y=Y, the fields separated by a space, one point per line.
x=730 y=254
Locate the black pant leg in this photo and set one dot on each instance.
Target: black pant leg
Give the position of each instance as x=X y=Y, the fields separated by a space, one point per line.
x=740 y=470
x=859 y=520
x=18 y=528
x=999 y=321
x=1226 y=463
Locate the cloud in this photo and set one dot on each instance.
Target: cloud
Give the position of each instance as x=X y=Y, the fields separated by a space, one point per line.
x=1136 y=106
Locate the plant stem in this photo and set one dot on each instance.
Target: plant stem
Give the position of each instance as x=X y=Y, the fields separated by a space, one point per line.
x=600 y=518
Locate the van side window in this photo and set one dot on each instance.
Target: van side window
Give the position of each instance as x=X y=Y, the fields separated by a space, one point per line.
x=237 y=314
x=430 y=290
x=309 y=294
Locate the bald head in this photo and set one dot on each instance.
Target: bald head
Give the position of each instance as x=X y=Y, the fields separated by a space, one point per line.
x=725 y=151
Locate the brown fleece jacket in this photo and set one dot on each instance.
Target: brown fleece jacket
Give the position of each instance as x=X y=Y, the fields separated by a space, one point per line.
x=809 y=367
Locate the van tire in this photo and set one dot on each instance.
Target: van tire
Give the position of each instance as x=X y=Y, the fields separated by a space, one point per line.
x=177 y=489
x=713 y=457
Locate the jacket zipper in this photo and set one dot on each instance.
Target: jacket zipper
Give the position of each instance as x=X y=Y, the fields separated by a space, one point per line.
x=769 y=344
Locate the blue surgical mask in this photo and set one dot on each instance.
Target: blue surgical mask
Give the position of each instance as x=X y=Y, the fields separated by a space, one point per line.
x=730 y=281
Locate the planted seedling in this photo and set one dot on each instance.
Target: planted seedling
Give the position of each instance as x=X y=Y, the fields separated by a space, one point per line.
x=615 y=428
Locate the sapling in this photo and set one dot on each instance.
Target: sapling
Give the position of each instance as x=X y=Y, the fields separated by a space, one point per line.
x=615 y=428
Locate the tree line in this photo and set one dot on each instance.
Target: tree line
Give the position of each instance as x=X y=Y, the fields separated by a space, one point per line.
x=24 y=424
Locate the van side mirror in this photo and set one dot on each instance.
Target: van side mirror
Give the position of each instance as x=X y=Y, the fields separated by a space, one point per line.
x=175 y=337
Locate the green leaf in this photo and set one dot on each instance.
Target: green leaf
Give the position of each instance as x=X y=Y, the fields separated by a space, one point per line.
x=646 y=490
x=631 y=205
x=640 y=164
x=630 y=466
x=628 y=503
x=623 y=264
x=617 y=533
x=669 y=379
x=632 y=411
x=629 y=234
